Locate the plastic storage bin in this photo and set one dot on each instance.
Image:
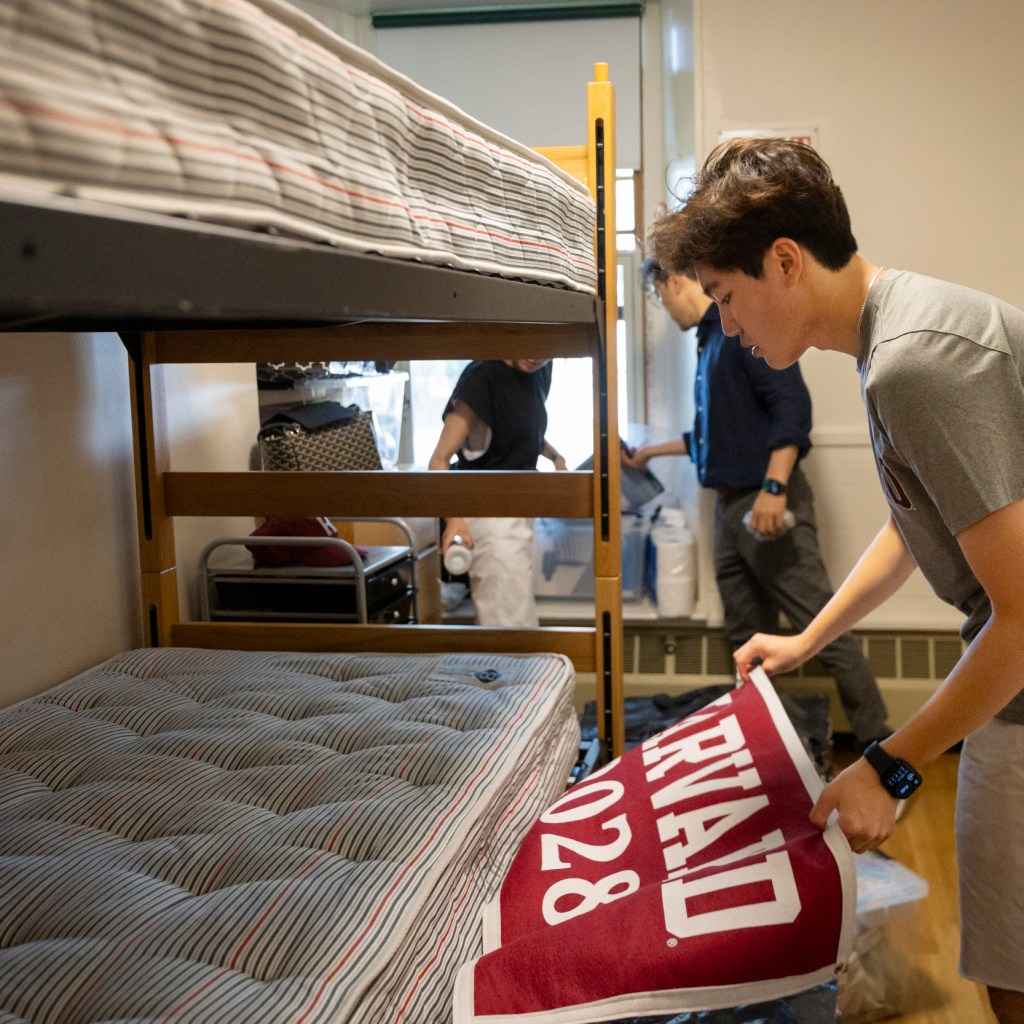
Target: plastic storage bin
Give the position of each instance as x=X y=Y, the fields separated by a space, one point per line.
x=815 y=1006
x=564 y=566
x=875 y=982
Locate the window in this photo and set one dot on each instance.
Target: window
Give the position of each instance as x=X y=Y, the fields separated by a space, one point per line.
x=571 y=402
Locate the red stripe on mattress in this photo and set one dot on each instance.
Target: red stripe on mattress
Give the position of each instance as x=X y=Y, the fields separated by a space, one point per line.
x=337 y=833
x=456 y=908
x=194 y=994
x=125 y=131
x=427 y=844
x=290 y=884
x=383 y=87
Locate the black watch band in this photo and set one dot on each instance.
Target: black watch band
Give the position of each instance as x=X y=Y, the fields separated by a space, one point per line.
x=773 y=486
x=898 y=777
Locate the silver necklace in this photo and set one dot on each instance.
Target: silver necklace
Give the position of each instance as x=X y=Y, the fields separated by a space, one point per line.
x=864 y=304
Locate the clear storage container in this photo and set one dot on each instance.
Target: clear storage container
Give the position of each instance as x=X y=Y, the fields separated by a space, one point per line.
x=564 y=567
x=875 y=982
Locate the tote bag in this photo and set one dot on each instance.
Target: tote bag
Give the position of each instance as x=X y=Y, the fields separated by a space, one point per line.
x=320 y=436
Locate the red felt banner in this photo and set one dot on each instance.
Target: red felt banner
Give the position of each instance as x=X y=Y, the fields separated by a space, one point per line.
x=683 y=876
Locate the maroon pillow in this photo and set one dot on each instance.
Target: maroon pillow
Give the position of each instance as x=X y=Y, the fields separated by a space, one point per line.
x=321 y=556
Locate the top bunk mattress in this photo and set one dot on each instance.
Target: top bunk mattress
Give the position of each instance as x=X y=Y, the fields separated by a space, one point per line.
x=221 y=836
x=251 y=114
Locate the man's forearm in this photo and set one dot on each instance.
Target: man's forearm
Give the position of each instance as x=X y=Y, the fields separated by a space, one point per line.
x=674 y=447
x=781 y=463
x=549 y=452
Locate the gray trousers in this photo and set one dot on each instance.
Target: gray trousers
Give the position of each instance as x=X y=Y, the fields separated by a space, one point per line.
x=758 y=579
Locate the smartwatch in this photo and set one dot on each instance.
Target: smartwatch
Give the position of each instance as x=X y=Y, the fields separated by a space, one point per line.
x=899 y=778
x=773 y=486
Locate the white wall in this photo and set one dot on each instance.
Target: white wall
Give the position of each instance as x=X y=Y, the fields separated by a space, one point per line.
x=917 y=108
x=213 y=420
x=356 y=29
x=527 y=79
x=69 y=584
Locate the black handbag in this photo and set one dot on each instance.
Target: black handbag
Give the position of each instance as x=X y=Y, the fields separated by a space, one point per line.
x=320 y=436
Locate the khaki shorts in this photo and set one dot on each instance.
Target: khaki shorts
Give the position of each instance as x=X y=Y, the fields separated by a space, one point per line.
x=990 y=849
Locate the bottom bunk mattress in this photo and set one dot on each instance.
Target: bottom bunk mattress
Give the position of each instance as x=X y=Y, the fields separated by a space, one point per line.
x=219 y=836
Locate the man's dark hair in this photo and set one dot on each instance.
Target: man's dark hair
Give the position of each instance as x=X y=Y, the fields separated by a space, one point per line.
x=652 y=273
x=750 y=192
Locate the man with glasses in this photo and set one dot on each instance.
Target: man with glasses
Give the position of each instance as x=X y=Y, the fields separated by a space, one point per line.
x=751 y=429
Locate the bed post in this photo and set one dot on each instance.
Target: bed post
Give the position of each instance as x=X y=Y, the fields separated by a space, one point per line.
x=157 y=560
x=556 y=322
x=608 y=520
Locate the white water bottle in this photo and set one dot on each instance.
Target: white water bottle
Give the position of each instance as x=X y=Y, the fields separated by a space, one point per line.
x=788 y=522
x=458 y=557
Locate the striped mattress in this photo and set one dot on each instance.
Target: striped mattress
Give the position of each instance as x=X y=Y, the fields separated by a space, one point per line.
x=249 y=113
x=219 y=836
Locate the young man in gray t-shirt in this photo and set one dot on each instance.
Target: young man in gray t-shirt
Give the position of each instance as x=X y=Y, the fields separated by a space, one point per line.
x=767 y=232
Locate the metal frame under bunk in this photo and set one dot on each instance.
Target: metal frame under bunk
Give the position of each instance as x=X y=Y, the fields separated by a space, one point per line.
x=182 y=292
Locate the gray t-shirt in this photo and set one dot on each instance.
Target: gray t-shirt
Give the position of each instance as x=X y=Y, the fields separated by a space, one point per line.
x=942 y=375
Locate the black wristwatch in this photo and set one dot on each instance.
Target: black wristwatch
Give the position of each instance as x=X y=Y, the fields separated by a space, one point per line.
x=898 y=777
x=773 y=486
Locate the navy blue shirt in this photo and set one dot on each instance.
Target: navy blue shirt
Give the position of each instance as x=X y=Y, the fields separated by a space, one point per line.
x=744 y=410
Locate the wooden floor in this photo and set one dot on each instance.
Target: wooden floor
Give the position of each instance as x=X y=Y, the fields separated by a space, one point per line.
x=924 y=842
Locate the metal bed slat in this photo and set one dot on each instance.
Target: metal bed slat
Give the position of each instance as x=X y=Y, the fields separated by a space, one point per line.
x=73 y=265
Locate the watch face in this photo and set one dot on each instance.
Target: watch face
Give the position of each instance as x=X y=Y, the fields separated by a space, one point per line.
x=902 y=780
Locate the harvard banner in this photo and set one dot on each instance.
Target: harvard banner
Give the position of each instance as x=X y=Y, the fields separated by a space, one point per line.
x=683 y=876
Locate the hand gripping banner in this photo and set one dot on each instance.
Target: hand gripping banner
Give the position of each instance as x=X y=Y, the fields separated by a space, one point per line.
x=683 y=876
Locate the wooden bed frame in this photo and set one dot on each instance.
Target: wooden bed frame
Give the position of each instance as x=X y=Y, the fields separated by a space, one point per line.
x=179 y=292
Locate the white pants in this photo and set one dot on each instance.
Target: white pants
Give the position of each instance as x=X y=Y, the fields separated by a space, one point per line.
x=990 y=849
x=501 y=574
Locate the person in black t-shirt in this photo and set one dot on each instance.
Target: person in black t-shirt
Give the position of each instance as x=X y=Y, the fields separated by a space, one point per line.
x=496 y=419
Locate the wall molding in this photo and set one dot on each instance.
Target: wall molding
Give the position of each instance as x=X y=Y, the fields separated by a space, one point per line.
x=840 y=437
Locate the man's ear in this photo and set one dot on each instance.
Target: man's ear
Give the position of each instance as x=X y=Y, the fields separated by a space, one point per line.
x=785 y=259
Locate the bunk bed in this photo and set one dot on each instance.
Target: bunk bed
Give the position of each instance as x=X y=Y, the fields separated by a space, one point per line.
x=297 y=821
